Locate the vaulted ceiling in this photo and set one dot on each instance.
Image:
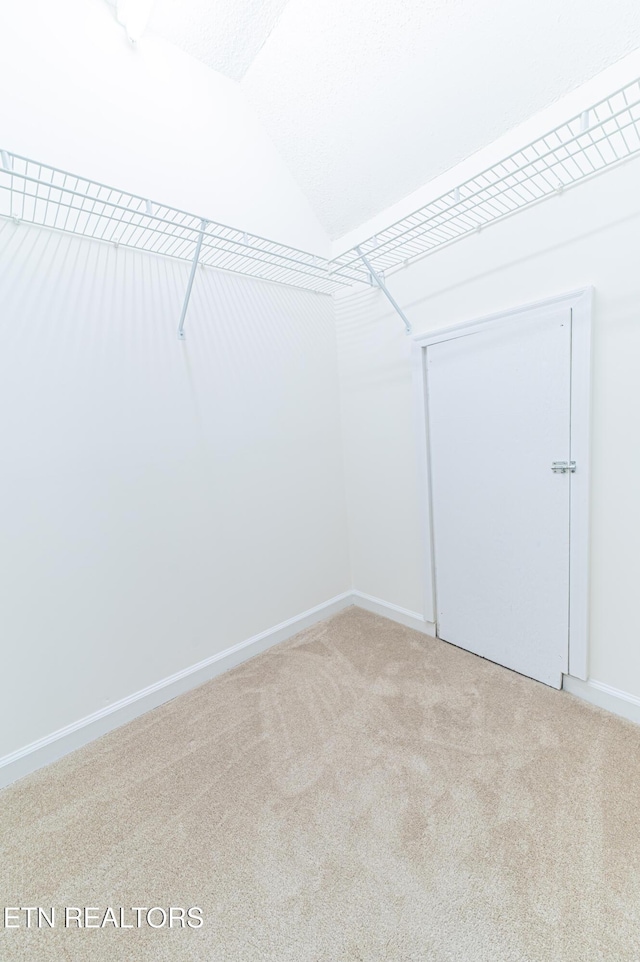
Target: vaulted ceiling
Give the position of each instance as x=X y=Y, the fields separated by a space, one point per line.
x=227 y=35
x=367 y=100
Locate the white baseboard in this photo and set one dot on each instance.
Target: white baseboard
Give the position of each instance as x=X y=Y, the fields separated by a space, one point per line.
x=412 y=619
x=59 y=743
x=46 y=750
x=604 y=696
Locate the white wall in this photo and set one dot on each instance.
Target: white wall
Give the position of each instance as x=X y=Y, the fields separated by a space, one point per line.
x=590 y=235
x=160 y=501
x=147 y=119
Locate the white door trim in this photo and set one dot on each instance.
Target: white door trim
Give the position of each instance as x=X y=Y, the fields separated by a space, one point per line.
x=580 y=303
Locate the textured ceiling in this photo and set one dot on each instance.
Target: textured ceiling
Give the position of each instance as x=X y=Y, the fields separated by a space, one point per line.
x=226 y=35
x=369 y=99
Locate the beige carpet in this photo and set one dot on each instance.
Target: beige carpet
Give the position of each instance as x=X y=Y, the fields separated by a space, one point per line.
x=361 y=793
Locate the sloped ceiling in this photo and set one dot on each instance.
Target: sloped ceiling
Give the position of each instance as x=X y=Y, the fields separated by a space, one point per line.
x=227 y=35
x=367 y=100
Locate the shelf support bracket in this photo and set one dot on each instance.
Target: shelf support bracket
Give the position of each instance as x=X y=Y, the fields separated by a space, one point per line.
x=194 y=267
x=383 y=287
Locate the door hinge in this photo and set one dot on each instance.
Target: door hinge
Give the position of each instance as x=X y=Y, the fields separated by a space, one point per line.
x=563 y=467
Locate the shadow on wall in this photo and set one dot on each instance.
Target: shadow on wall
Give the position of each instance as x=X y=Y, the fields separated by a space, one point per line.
x=162 y=500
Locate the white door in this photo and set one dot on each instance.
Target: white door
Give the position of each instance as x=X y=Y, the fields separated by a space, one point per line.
x=499 y=416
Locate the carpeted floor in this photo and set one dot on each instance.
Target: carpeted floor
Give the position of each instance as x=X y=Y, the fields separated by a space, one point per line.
x=358 y=793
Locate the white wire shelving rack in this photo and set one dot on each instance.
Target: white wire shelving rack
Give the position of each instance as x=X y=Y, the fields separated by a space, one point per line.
x=595 y=140
x=600 y=137
x=37 y=193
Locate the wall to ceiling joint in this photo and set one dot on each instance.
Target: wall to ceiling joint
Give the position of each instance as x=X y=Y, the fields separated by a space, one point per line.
x=368 y=101
x=148 y=118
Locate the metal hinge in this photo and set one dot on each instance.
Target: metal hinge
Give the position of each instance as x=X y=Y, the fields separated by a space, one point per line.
x=563 y=467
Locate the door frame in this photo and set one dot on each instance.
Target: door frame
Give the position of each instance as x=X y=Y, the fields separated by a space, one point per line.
x=580 y=303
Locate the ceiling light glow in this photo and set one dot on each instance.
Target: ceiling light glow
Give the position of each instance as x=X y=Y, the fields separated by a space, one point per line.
x=134 y=16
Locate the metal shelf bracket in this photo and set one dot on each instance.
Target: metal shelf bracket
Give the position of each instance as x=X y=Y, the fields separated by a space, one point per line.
x=194 y=266
x=377 y=279
x=602 y=136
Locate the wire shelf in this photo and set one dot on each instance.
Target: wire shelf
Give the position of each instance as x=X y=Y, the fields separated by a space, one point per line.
x=598 y=138
x=40 y=194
